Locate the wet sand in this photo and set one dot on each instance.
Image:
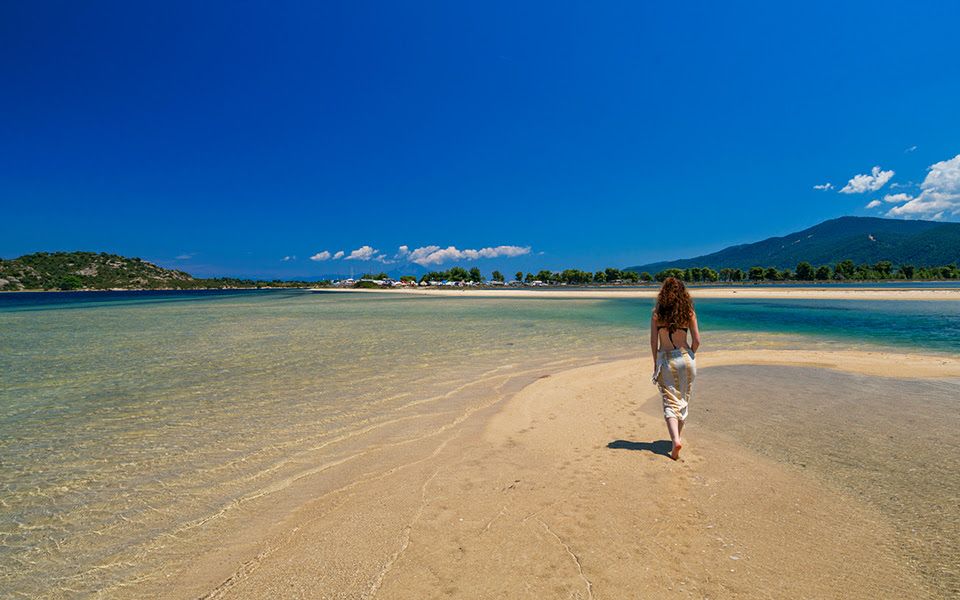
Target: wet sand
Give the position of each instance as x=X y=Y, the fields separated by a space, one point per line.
x=795 y=481
x=771 y=293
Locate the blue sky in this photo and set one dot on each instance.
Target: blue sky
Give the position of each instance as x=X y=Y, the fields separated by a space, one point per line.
x=223 y=137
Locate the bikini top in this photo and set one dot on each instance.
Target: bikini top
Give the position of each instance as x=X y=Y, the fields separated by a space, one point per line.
x=670 y=329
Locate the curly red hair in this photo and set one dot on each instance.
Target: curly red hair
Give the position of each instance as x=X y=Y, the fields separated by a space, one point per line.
x=674 y=305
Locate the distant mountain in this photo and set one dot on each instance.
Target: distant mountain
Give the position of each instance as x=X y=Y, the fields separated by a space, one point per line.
x=860 y=239
x=90 y=270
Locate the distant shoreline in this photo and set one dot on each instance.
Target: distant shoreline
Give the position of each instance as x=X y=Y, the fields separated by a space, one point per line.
x=712 y=291
x=811 y=293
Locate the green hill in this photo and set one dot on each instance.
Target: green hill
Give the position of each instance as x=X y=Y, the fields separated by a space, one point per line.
x=90 y=270
x=860 y=239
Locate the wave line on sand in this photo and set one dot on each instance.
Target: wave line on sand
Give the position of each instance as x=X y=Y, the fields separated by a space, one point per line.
x=576 y=559
x=406 y=538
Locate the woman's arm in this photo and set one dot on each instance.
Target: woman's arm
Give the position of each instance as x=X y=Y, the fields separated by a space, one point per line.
x=694 y=332
x=654 y=339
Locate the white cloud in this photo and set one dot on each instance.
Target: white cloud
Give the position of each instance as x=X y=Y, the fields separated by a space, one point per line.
x=325 y=255
x=185 y=256
x=434 y=255
x=867 y=183
x=873 y=204
x=362 y=253
x=895 y=198
x=939 y=194
x=895 y=185
x=288 y=258
x=824 y=186
x=338 y=255
x=910 y=149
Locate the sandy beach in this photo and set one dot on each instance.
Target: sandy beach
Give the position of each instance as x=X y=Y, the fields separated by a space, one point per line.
x=560 y=487
x=800 y=293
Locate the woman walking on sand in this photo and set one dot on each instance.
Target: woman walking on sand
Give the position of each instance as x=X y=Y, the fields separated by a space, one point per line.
x=674 y=363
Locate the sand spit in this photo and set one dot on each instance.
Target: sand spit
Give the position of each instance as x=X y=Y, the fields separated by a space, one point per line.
x=797 y=293
x=564 y=490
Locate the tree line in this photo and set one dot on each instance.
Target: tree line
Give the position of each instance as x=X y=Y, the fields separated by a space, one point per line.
x=843 y=270
x=804 y=271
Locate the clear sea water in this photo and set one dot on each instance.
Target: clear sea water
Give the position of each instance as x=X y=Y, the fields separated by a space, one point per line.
x=130 y=421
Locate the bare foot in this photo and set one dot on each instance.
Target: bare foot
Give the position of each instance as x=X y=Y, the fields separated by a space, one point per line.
x=675 y=455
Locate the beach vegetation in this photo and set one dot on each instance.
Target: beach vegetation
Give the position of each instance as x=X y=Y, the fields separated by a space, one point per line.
x=612 y=274
x=70 y=282
x=846 y=268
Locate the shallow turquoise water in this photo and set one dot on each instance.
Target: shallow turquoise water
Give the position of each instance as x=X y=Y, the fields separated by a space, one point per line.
x=934 y=325
x=127 y=418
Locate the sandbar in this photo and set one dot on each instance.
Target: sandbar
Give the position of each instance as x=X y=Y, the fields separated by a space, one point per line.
x=563 y=489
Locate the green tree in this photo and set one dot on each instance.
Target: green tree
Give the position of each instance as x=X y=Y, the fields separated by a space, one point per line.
x=631 y=276
x=70 y=282
x=575 y=277
x=646 y=276
x=805 y=271
x=600 y=277
x=906 y=271
x=709 y=274
x=544 y=276
x=518 y=276
x=845 y=268
x=458 y=274
x=475 y=275
x=823 y=273
x=756 y=273
x=771 y=274
x=612 y=274
x=675 y=273
x=497 y=276
x=736 y=275
x=884 y=268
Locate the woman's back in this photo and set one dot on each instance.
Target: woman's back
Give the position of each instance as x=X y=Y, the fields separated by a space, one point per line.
x=671 y=337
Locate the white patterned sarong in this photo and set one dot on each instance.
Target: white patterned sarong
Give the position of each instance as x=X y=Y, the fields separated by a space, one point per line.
x=676 y=370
